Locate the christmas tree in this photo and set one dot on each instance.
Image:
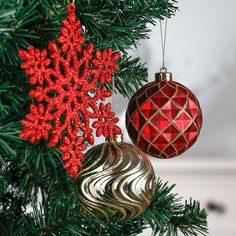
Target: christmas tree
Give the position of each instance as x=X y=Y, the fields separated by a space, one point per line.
x=37 y=195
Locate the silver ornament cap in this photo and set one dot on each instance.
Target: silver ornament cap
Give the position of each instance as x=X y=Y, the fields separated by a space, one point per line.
x=163 y=75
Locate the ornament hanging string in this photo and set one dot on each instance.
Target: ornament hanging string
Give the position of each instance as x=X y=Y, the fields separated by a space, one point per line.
x=163 y=44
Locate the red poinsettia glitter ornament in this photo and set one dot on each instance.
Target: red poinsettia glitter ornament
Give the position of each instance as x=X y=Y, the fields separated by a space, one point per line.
x=68 y=80
x=164 y=117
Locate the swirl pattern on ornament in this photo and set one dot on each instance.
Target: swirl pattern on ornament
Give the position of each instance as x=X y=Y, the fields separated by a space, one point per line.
x=117 y=182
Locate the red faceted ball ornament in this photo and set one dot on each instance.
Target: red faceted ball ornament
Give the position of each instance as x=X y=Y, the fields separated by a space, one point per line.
x=164 y=117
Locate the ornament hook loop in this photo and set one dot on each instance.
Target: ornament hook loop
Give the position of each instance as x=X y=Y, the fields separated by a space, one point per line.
x=163 y=70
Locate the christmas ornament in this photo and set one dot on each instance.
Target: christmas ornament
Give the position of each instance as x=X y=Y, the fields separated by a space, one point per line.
x=164 y=117
x=67 y=81
x=117 y=181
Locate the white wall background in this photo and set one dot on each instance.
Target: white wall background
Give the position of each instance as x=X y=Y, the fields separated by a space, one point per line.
x=201 y=54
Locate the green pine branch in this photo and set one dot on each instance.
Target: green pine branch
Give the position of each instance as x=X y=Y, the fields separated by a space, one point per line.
x=190 y=219
x=36 y=194
x=117 y=24
x=61 y=214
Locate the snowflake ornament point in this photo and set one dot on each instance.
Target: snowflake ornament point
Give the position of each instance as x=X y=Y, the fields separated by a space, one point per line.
x=63 y=76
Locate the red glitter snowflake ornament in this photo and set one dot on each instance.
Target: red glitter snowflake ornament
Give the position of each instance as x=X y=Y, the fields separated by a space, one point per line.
x=65 y=80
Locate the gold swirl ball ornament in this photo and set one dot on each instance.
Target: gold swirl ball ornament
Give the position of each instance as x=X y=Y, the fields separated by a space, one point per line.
x=117 y=181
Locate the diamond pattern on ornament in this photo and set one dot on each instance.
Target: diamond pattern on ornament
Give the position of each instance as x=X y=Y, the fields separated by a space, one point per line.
x=68 y=80
x=164 y=118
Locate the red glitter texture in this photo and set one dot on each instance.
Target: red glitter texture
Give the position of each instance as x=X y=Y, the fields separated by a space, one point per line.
x=68 y=80
x=164 y=118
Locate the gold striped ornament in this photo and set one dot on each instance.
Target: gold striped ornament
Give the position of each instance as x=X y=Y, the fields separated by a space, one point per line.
x=117 y=181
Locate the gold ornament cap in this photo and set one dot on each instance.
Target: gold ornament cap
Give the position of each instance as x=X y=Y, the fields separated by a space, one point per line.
x=163 y=75
x=119 y=138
